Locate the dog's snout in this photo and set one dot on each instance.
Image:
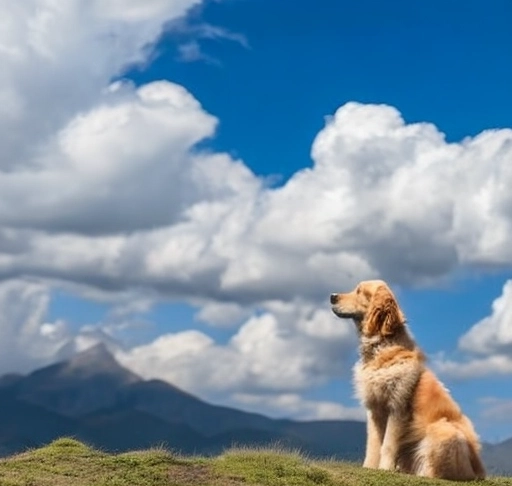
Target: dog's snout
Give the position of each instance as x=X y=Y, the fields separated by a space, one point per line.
x=334 y=298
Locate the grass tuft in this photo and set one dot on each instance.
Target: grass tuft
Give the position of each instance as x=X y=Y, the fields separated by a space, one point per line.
x=271 y=467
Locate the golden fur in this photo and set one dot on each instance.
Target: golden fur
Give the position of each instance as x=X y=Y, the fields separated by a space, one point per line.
x=413 y=423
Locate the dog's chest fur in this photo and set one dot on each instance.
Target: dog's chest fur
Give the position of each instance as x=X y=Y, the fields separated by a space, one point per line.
x=387 y=380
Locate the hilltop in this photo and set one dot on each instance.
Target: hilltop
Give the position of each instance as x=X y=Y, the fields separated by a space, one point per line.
x=67 y=461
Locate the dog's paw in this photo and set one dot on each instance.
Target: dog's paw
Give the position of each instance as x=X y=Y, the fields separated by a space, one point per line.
x=387 y=464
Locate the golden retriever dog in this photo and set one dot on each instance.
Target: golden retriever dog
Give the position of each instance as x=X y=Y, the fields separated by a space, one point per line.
x=413 y=424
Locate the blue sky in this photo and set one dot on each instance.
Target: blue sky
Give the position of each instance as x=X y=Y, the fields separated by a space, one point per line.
x=435 y=62
x=198 y=224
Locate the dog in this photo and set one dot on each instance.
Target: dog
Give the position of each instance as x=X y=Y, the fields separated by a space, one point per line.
x=413 y=424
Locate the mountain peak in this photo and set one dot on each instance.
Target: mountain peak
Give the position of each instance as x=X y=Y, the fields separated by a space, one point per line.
x=98 y=354
x=94 y=363
x=87 y=381
x=96 y=360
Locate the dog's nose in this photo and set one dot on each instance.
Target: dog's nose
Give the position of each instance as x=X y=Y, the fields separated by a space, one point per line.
x=334 y=298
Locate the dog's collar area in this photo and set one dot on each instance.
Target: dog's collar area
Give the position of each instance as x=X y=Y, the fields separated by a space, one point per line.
x=370 y=346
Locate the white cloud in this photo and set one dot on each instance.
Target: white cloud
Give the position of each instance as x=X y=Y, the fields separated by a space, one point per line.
x=487 y=346
x=96 y=176
x=191 y=51
x=192 y=35
x=493 y=334
x=496 y=409
x=198 y=29
x=287 y=348
x=264 y=367
x=58 y=57
x=220 y=233
x=27 y=339
x=471 y=368
x=292 y=405
x=221 y=314
x=214 y=32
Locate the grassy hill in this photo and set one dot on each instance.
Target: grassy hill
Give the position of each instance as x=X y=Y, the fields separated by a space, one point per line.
x=69 y=462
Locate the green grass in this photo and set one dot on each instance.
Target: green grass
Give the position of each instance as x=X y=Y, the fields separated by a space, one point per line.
x=69 y=462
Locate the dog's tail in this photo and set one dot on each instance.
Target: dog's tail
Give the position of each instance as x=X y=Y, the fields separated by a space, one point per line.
x=466 y=430
x=449 y=452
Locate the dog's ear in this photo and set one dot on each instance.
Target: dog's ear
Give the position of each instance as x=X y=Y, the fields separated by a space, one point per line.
x=384 y=316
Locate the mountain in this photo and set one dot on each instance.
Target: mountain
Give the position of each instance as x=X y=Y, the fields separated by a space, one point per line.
x=121 y=429
x=497 y=458
x=175 y=406
x=338 y=438
x=93 y=398
x=89 y=381
x=23 y=425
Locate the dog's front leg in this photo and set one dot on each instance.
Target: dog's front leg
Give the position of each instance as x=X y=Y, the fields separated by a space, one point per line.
x=375 y=425
x=389 y=448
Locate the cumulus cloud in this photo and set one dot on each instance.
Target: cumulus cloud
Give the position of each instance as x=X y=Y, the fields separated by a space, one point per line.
x=493 y=334
x=487 y=346
x=265 y=366
x=58 y=57
x=383 y=199
x=287 y=348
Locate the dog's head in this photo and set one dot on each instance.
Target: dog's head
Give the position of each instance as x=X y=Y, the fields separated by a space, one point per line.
x=373 y=308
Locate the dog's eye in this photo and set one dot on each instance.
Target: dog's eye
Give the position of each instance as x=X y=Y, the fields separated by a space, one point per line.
x=358 y=291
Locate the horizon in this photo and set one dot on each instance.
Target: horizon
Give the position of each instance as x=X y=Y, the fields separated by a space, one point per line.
x=187 y=182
